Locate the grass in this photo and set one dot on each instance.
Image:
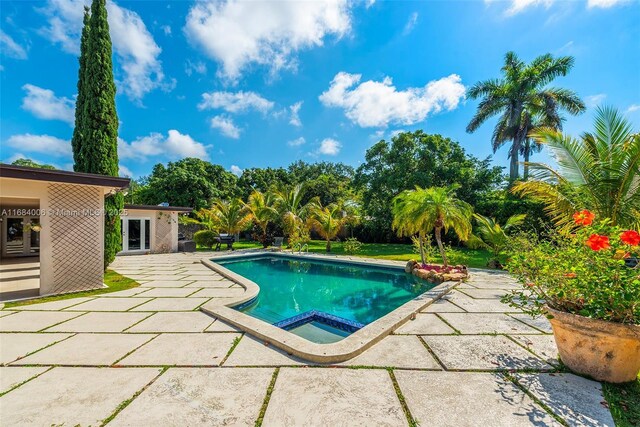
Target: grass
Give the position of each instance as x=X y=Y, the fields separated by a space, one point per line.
x=624 y=402
x=475 y=258
x=115 y=282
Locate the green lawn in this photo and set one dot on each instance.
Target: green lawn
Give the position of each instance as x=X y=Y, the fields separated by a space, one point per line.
x=114 y=281
x=624 y=403
x=476 y=258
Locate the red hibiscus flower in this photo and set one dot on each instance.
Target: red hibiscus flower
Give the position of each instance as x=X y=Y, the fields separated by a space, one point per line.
x=570 y=275
x=630 y=237
x=598 y=242
x=584 y=217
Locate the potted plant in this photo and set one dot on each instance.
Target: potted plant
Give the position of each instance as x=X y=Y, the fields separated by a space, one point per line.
x=582 y=283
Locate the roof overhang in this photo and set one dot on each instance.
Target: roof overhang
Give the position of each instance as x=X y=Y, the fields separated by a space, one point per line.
x=39 y=174
x=159 y=208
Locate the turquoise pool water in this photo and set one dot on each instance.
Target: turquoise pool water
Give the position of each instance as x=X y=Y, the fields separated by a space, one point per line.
x=291 y=286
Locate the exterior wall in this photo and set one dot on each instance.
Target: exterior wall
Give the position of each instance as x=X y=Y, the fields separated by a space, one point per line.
x=72 y=235
x=163 y=226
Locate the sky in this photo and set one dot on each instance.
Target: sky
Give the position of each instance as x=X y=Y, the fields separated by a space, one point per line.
x=257 y=84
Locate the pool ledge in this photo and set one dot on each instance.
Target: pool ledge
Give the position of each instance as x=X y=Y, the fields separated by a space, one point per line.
x=340 y=351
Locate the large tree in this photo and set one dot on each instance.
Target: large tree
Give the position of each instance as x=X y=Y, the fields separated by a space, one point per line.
x=521 y=97
x=95 y=143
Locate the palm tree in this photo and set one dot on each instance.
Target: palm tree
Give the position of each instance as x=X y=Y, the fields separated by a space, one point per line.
x=230 y=217
x=425 y=209
x=327 y=220
x=288 y=202
x=519 y=97
x=261 y=210
x=492 y=235
x=599 y=171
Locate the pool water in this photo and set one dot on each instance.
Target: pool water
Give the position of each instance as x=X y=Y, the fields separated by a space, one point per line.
x=291 y=286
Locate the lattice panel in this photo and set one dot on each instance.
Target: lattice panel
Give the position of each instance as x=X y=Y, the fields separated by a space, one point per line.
x=163 y=233
x=76 y=236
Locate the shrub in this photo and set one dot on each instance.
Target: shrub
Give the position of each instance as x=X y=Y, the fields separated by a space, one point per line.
x=457 y=256
x=583 y=273
x=352 y=245
x=205 y=238
x=430 y=251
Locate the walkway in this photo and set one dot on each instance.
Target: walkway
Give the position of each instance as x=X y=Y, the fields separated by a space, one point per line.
x=147 y=356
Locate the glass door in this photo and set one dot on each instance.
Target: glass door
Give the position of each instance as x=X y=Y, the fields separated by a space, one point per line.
x=14 y=240
x=136 y=234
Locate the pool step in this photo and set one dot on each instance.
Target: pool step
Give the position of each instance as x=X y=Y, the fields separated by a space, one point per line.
x=320 y=317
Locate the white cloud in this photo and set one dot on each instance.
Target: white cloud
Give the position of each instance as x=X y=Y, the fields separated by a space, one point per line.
x=239 y=33
x=604 y=4
x=236 y=170
x=226 y=126
x=44 y=144
x=378 y=104
x=174 y=146
x=44 y=104
x=134 y=46
x=330 y=147
x=295 y=114
x=517 y=6
x=296 y=142
x=411 y=23
x=633 y=108
x=594 y=100
x=10 y=47
x=166 y=29
x=124 y=171
x=238 y=102
x=194 y=67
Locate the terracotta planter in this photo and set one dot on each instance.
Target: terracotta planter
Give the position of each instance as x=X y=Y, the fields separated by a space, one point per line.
x=606 y=351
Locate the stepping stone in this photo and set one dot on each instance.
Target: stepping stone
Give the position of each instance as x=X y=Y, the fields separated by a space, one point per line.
x=442 y=306
x=172 y=304
x=167 y=276
x=577 y=400
x=211 y=284
x=87 y=350
x=219 y=292
x=334 y=397
x=480 y=305
x=167 y=283
x=168 y=292
x=540 y=322
x=493 y=323
x=33 y=321
x=13 y=346
x=99 y=322
x=182 y=350
x=53 y=305
x=221 y=326
x=109 y=304
x=174 y=322
x=205 y=396
x=397 y=351
x=11 y=376
x=468 y=399
x=425 y=324
x=485 y=293
x=251 y=352
x=542 y=345
x=73 y=396
x=482 y=352
x=126 y=293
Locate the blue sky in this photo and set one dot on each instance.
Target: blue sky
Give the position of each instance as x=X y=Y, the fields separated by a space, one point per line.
x=264 y=84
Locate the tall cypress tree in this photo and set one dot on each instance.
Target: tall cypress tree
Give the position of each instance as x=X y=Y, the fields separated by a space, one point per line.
x=96 y=148
x=76 y=141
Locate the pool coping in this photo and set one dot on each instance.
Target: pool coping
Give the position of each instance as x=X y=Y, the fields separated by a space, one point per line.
x=340 y=351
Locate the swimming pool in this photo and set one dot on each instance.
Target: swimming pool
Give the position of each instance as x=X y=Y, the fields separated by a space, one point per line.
x=330 y=299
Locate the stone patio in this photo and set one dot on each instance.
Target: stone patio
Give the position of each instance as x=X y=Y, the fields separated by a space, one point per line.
x=148 y=356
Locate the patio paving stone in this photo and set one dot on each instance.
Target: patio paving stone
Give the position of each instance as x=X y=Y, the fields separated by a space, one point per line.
x=99 y=322
x=33 y=321
x=219 y=292
x=13 y=346
x=174 y=322
x=484 y=293
x=482 y=323
x=251 y=352
x=126 y=293
x=167 y=283
x=222 y=326
x=577 y=400
x=167 y=276
x=53 y=305
x=425 y=324
x=182 y=350
x=203 y=396
x=539 y=322
x=109 y=304
x=442 y=306
x=168 y=292
x=482 y=352
x=334 y=397
x=87 y=350
x=211 y=284
x=396 y=351
x=11 y=376
x=455 y=399
x=72 y=396
x=542 y=345
x=172 y=304
x=480 y=305
x=6 y=313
